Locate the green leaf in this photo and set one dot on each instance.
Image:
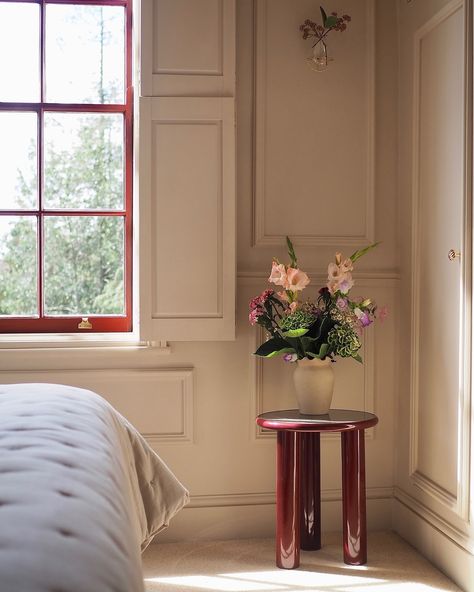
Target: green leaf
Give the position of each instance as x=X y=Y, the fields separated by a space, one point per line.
x=357 y=358
x=323 y=15
x=323 y=350
x=273 y=346
x=361 y=252
x=295 y=332
x=291 y=252
x=330 y=22
x=308 y=345
x=285 y=350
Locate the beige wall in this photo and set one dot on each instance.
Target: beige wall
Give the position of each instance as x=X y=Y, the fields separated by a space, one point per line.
x=316 y=158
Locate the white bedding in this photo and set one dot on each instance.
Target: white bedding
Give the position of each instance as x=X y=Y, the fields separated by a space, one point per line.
x=80 y=493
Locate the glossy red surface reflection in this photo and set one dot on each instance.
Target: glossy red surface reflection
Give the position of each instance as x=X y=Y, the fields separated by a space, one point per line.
x=298 y=481
x=287 y=507
x=310 y=484
x=353 y=497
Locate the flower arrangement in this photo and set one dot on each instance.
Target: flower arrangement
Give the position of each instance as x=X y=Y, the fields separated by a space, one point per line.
x=330 y=326
x=333 y=22
x=318 y=33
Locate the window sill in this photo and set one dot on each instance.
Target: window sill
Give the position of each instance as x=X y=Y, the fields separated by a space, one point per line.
x=75 y=340
x=24 y=353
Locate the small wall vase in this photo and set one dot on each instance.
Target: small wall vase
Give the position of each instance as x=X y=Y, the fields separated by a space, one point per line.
x=314 y=385
x=319 y=59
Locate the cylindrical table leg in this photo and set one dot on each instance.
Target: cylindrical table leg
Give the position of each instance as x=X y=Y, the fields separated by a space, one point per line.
x=287 y=501
x=353 y=497
x=310 y=483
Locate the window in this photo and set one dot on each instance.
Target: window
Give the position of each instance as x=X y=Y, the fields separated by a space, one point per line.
x=65 y=166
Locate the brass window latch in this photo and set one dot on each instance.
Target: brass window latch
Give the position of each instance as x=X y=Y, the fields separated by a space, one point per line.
x=85 y=324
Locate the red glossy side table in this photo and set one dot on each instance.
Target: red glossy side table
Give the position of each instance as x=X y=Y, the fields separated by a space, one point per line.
x=298 y=490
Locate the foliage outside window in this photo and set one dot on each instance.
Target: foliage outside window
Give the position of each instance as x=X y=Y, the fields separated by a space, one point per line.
x=65 y=166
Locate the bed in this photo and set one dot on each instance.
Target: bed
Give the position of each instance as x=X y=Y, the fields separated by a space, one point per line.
x=81 y=493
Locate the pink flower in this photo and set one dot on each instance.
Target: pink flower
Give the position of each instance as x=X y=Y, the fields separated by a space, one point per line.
x=339 y=277
x=283 y=296
x=278 y=274
x=253 y=316
x=345 y=283
x=254 y=302
x=346 y=266
x=363 y=317
x=290 y=357
x=296 y=279
x=342 y=284
x=260 y=300
x=341 y=303
x=382 y=313
x=293 y=306
x=333 y=271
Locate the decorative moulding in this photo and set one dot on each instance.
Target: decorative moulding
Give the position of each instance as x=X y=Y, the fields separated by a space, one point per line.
x=459 y=537
x=366 y=279
x=96 y=379
x=186 y=378
x=219 y=281
x=458 y=503
x=260 y=236
x=268 y=498
x=162 y=75
x=180 y=71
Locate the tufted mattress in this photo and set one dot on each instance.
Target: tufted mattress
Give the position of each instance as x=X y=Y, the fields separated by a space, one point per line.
x=80 y=493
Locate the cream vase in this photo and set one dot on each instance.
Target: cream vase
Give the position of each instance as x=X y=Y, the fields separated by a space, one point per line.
x=314 y=384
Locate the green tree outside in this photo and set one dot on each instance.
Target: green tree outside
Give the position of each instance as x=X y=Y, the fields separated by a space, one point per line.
x=84 y=255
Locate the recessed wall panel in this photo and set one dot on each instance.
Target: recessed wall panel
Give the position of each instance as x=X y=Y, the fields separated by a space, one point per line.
x=159 y=403
x=313 y=139
x=439 y=189
x=187 y=200
x=187 y=37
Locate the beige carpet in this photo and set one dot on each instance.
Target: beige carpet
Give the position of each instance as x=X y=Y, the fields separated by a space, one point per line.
x=248 y=565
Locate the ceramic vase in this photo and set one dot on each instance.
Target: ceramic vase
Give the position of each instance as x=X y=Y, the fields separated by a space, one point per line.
x=314 y=385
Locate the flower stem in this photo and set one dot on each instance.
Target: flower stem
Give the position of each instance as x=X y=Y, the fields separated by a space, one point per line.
x=320 y=38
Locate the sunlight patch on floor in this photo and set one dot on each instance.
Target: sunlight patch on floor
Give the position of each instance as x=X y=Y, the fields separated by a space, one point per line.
x=286 y=580
x=249 y=565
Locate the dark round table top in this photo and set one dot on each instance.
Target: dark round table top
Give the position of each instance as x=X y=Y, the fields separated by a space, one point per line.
x=337 y=420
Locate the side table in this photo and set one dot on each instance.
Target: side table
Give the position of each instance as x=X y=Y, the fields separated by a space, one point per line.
x=298 y=488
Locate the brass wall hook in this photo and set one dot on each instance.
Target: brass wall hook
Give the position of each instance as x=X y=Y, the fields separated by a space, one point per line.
x=452 y=254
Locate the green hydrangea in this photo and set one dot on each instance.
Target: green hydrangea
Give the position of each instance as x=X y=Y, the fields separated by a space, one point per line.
x=344 y=341
x=299 y=319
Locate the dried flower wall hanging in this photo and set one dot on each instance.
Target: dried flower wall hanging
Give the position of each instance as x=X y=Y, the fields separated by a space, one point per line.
x=318 y=60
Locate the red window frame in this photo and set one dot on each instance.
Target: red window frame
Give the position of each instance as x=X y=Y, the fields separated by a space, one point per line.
x=69 y=324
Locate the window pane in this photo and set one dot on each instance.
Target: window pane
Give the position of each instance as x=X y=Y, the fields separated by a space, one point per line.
x=18 y=266
x=19 y=48
x=84 y=265
x=18 y=161
x=83 y=160
x=85 y=54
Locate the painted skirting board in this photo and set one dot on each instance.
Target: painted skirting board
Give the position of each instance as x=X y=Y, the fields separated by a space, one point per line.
x=455 y=561
x=254 y=516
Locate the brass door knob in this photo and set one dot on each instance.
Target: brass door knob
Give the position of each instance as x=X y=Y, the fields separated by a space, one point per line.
x=452 y=254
